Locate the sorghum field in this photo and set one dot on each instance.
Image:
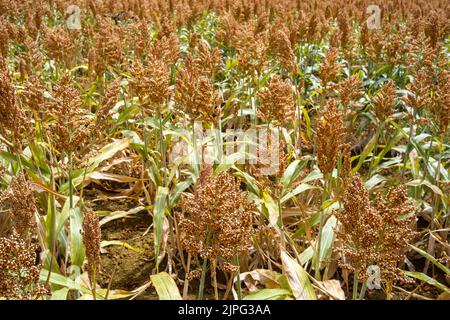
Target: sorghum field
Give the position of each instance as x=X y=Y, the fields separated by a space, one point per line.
x=236 y=149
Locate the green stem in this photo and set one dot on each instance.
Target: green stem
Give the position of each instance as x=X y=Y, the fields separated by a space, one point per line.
x=186 y=278
x=194 y=142
x=363 y=291
x=70 y=180
x=299 y=127
x=219 y=142
x=144 y=132
x=435 y=204
x=280 y=210
x=321 y=224
x=238 y=284
x=437 y=174
x=201 y=289
x=162 y=151
x=93 y=284
x=378 y=132
x=355 y=285
x=51 y=238
x=408 y=148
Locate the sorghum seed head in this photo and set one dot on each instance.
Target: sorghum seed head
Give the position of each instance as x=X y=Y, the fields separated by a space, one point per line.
x=217 y=219
x=330 y=137
x=91 y=240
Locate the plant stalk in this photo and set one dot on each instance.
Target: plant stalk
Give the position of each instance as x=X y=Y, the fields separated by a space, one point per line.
x=201 y=288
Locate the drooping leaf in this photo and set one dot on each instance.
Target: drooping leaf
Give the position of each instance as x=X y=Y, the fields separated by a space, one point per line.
x=367 y=150
x=291 y=173
x=299 y=189
x=158 y=218
x=120 y=214
x=165 y=286
x=76 y=239
x=298 y=278
x=60 y=294
x=60 y=280
x=432 y=259
x=333 y=287
x=326 y=241
x=423 y=277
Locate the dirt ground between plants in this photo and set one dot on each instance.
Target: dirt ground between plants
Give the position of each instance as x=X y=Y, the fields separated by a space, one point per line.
x=125 y=268
x=130 y=268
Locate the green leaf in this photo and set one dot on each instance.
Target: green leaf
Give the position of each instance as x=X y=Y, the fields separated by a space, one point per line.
x=165 y=286
x=419 y=182
x=39 y=156
x=109 y=151
x=60 y=294
x=307 y=122
x=105 y=153
x=272 y=209
x=176 y=192
x=432 y=259
x=326 y=241
x=249 y=181
x=423 y=277
x=387 y=148
x=367 y=150
x=65 y=214
x=268 y=294
x=291 y=173
x=76 y=239
x=387 y=164
x=50 y=222
x=25 y=162
x=306 y=255
x=314 y=175
x=299 y=189
x=229 y=161
x=374 y=180
x=60 y=280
